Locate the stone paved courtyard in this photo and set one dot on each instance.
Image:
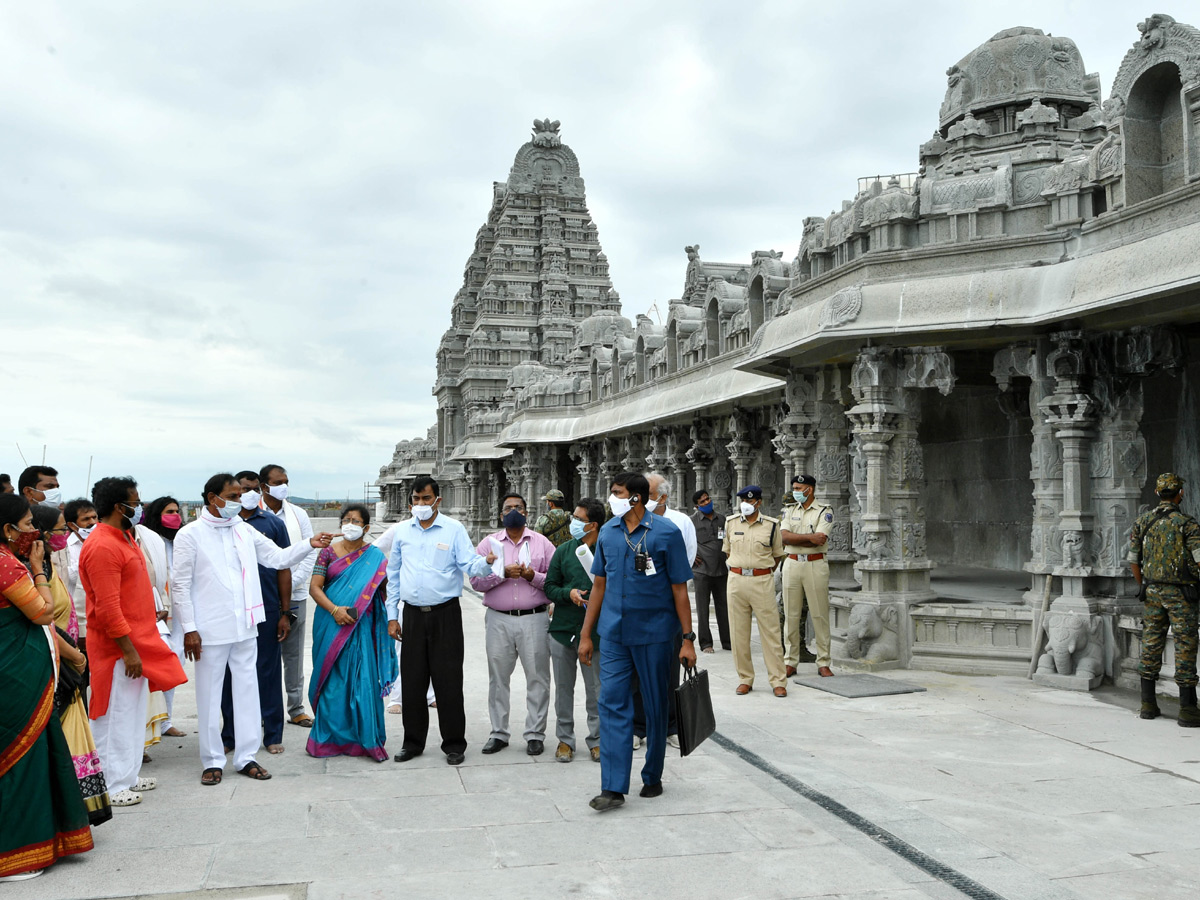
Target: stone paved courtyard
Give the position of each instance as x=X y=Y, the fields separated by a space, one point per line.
x=1027 y=792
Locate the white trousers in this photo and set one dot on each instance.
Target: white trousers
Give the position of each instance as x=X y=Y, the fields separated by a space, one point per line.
x=395 y=698
x=175 y=642
x=120 y=734
x=242 y=659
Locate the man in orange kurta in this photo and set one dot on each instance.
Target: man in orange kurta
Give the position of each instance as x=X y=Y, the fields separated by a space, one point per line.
x=128 y=658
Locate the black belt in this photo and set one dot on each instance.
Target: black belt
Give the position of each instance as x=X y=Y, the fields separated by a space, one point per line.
x=429 y=609
x=522 y=612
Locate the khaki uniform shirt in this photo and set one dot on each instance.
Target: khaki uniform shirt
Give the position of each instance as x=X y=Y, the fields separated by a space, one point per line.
x=816 y=519
x=753 y=546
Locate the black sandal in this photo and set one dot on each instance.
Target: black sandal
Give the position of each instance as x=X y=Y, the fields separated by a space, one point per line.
x=255 y=771
x=210 y=777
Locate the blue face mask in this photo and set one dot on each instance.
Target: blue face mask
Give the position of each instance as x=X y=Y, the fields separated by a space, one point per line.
x=707 y=508
x=800 y=496
x=514 y=519
x=578 y=529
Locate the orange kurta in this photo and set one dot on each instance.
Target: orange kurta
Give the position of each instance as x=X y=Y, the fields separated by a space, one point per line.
x=120 y=602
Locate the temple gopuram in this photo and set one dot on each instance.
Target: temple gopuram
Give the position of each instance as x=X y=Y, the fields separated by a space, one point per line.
x=984 y=362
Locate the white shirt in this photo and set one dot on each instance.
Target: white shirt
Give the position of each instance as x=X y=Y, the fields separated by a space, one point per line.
x=74 y=585
x=207 y=588
x=688 y=527
x=302 y=571
x=384 y=541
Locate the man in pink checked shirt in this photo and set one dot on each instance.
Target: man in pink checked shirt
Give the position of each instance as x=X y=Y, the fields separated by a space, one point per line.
x=516 y=622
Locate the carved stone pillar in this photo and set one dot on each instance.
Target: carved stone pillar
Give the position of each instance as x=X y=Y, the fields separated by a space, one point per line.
x=832 y=471
x=581 y=453
x=700 y=454
x=612 y=464
x=656 y=447
x=741 y=452
x=673 y=451
x=885 y=416
x=472 y=470
x=795 y=425
x=633 y=454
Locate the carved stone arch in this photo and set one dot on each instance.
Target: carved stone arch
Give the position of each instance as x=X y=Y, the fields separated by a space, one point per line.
x=1155 y=135
x=595 y=376
x=757 y=304
x=616 y=370
x=672 y=347
x=712 y=328
x=639 y=358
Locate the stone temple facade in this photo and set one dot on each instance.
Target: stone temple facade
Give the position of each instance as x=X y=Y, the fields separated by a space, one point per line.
x=982 y=361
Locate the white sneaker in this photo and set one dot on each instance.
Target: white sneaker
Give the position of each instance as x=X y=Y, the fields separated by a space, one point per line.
x=125 y=798
x=22 y=876
x=673 y=741
x=638 y=742
x=146 y=784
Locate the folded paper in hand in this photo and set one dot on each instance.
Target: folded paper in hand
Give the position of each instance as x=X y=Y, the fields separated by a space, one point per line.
x=498 y=564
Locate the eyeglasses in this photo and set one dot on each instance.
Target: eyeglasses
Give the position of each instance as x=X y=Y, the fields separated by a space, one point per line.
x=511 y=508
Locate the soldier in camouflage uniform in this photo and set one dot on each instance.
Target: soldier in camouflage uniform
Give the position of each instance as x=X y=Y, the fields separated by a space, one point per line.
x=1164 y=554
x=555 y=524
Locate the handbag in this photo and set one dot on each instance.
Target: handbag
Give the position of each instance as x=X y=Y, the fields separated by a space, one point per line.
x=694 y=710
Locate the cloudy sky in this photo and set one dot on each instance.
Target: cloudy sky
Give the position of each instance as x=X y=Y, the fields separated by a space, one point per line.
x=230 y=232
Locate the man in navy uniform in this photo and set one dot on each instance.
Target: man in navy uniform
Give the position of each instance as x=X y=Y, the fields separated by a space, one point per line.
x=639 y=603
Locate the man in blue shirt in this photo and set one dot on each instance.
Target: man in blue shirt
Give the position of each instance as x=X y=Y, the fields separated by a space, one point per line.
x=276 y=587
x=430 y=554
x=639 y=602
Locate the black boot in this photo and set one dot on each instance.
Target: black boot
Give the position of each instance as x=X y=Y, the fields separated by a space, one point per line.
x=1150 y=708
x=1189 y=716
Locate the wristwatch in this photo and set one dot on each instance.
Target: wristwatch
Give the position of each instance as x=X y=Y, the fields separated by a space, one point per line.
x=689 y=636
x=292 y=617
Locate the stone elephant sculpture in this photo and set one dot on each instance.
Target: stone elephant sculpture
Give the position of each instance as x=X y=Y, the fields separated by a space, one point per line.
x=1074 y=646
x=872 y=634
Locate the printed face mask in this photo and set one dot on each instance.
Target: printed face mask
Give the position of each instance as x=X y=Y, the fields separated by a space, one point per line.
x=57 y=541
x=747 y=508
x=619 y=505
x=84 y=532
x=24 y=541
x=352 y=532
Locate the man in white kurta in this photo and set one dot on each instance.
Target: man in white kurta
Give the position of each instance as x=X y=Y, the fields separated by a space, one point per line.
x=274 y=481
x=216 y=592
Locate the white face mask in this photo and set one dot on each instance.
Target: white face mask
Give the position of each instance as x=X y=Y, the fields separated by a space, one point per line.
x=422 y=512
x=250 y=500
x=651 y=505
x=619 y=505
x=747 y=508
x=52 y=498
x=229 y=510
x=278 y=491
x=352 y=532
x=84 y=532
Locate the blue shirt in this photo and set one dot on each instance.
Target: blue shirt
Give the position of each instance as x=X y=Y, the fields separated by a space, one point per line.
x=426 y=565
x=639 y=608
x=268 y=579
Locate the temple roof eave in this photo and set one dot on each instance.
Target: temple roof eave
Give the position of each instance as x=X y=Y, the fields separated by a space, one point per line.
x=980 y=308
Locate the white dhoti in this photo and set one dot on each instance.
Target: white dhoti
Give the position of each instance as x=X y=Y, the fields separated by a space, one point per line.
x=241 y=658
x=175 y=642
x=120 y=733
x=395 y=697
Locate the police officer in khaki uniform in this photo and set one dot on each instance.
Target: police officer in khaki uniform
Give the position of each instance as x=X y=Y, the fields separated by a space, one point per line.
x=754 y=545
x=806 y=528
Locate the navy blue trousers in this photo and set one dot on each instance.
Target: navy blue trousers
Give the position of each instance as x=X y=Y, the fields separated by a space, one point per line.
x=652 y=664
x=270 y=686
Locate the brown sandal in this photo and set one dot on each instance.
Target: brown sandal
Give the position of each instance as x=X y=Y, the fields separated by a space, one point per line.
x=211 y=777
x=255 y=771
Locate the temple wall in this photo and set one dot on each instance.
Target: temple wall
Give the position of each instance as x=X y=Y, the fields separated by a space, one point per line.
x=1171 y=424
x=977 y=494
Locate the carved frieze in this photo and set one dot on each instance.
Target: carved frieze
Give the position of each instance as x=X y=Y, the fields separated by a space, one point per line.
x=842 y=308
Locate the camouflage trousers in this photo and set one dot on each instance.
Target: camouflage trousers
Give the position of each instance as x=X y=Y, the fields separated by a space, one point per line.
x=1165 y=606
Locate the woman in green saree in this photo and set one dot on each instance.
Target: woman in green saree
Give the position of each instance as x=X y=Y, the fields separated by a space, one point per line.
x=44 y=816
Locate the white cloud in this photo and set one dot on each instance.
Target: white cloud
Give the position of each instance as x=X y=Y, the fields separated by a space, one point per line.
x=232 y=232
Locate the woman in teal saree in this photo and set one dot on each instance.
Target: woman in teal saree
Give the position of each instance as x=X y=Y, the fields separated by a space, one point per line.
x=354 y=659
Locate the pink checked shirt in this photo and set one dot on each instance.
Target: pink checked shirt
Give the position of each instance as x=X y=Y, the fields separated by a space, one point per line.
x=515 y=593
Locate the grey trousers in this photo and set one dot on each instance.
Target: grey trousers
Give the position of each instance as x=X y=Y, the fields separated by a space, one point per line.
x=293 y=661
x=565 y=663
x=510 y=638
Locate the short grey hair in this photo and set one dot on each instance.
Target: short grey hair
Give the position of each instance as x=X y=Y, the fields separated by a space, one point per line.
x=660 y=480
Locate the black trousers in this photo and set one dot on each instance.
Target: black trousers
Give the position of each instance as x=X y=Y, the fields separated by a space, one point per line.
x=433 y=651
x=711 y=586
x=639 y=707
